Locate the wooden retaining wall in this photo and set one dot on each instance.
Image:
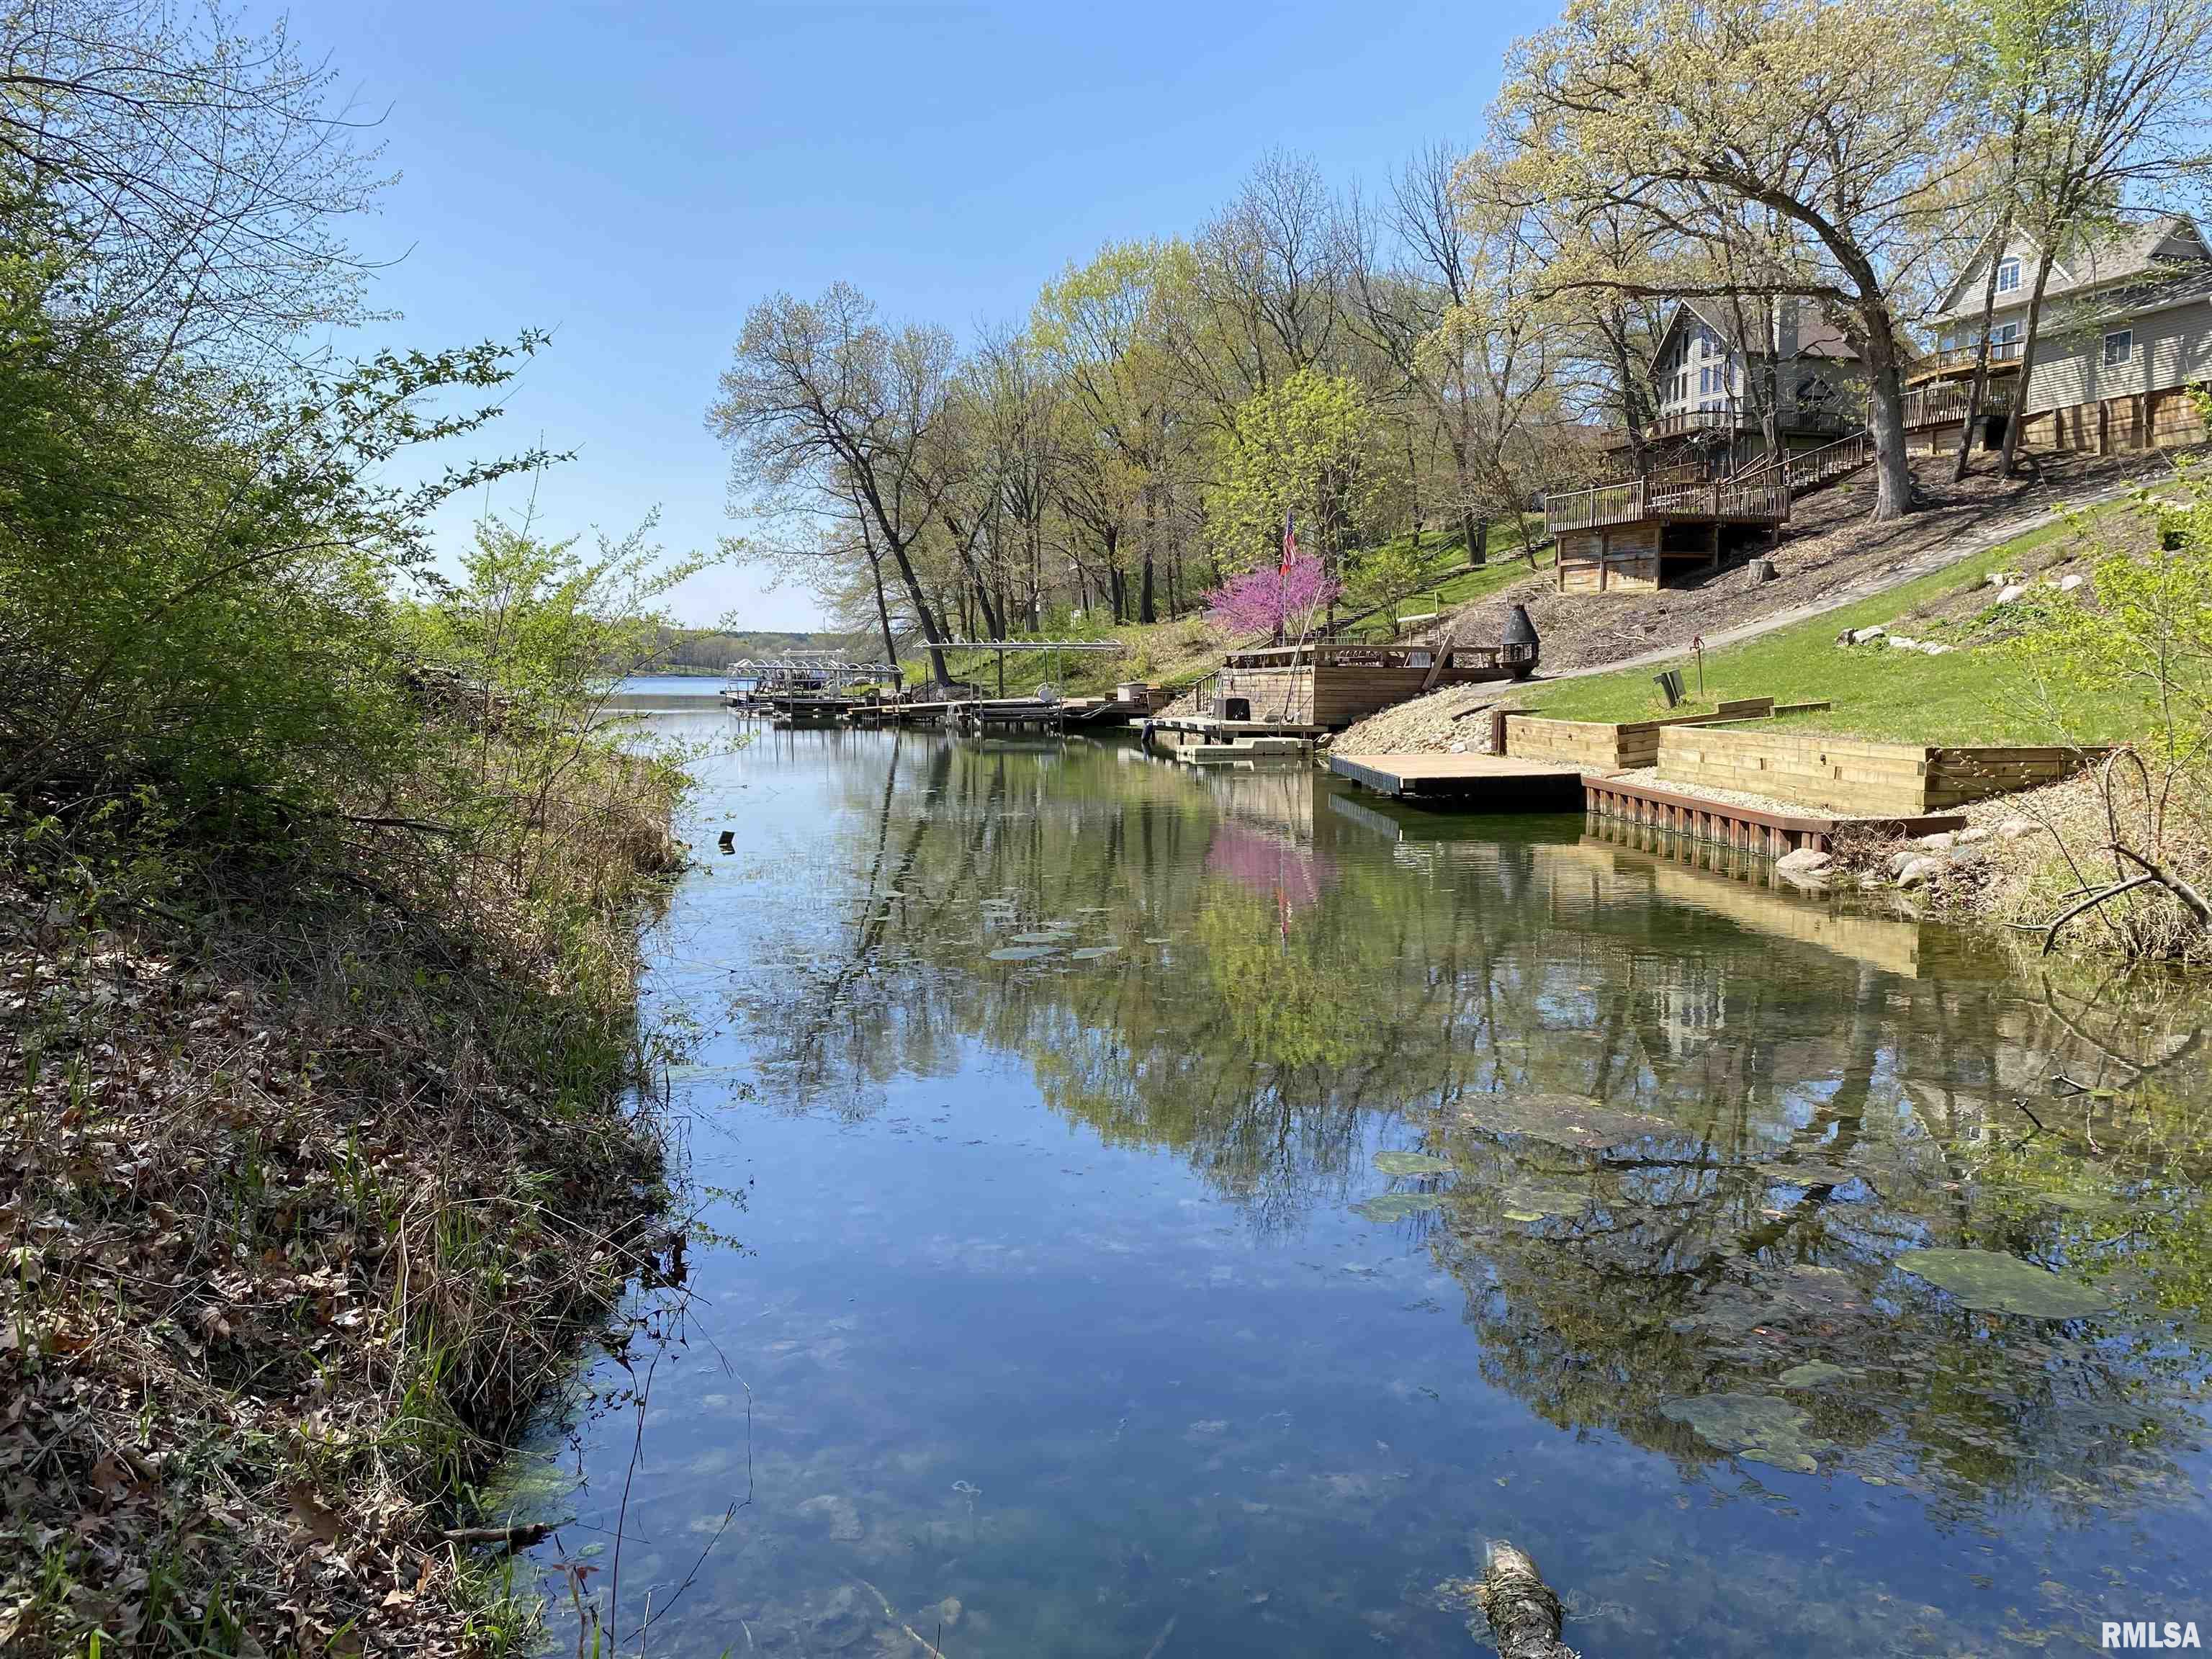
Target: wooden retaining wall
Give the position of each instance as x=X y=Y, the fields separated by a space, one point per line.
x=1583 y=742
x=1854 y=776
x=1609 y=746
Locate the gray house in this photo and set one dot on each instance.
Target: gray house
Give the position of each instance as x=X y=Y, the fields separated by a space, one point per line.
x=1710 y=374
x=2126 y=330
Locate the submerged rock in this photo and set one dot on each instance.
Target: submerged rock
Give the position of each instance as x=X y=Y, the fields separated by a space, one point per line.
x=1813 y=1374
x=1412 y=1163
x=834 y=1514
x=1397 y=1206
x=1759 y=1428
x=1992 y=1282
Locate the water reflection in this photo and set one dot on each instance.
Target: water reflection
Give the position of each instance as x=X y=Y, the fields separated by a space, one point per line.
x=1170 y=1367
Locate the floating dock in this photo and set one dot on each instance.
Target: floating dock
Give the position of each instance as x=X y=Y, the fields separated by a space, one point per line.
x=1474 y=783
x=1500 y=783
x=1203 y=737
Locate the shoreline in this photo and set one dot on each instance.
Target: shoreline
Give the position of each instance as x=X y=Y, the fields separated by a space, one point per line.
x=293 y=1261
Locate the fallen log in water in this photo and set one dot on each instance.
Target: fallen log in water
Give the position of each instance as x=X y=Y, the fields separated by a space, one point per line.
x=1525 y=1615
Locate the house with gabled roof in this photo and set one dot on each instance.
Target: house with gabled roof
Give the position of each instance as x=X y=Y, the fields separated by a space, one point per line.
x=2126 y=332
x=1710 y=372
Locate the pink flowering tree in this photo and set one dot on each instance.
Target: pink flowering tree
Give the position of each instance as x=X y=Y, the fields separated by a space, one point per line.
x=1272 y=600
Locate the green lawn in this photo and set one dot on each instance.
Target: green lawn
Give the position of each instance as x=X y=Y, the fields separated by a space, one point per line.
x=1971 y=695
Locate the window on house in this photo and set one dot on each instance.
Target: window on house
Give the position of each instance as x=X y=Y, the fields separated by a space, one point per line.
x=2119 y=346
x=2008 y=276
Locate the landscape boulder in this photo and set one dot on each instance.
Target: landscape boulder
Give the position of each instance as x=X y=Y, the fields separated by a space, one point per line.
x=1919 y=870
x=1805 y=861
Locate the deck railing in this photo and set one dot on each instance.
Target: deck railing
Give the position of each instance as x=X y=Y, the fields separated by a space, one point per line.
x=1765 y=498
x=1818 y=466
x=1957 y=358
x=1948 y=400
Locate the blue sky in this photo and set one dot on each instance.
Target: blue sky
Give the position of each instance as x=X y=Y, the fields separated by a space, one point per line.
x=634 y=177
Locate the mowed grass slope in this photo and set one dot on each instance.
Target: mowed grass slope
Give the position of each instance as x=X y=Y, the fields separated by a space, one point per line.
x=1977 y=693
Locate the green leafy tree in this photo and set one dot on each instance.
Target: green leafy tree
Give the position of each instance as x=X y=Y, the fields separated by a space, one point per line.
x=1303 y=447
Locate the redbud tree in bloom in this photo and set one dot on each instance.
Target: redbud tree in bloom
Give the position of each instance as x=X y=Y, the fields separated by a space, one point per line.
x=1271 y=600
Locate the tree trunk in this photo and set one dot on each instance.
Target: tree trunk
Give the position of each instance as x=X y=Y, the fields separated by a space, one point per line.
x=882 y=610
x=2021 y=385
x=1476 y=533
x=931 y=633
x=1980 y=387
x=1892 y=497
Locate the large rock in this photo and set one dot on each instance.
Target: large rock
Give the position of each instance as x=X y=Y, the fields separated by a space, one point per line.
x=1805 y=861
x=2018 y=828
x=2010 y=592
x=1918 y=872
x=1941 y=841
x=835 y=1514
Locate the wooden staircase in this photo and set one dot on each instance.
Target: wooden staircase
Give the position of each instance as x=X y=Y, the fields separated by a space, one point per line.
x=1810 y=469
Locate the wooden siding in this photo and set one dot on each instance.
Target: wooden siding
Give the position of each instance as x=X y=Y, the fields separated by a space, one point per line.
x=1625 y=558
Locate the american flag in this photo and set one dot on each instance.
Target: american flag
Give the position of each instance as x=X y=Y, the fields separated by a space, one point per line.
x=1290 y=542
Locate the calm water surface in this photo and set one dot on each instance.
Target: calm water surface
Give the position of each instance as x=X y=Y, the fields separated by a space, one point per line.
x=1177 y=1214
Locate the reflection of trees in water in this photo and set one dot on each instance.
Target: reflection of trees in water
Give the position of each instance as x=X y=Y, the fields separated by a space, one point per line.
x=1710 y=1256
x=1685 y=1154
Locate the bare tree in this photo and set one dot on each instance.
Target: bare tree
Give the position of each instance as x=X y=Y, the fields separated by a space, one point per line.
x=822 y=406
x=200 y=170
x=2118 y=112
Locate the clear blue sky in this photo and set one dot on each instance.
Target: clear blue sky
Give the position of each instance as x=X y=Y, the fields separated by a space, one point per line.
x=635 y=176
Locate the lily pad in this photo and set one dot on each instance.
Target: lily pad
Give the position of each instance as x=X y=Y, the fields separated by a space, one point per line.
x=1412 y=1163
x=1021 y=952
x=1813 y=1374
x=1039 y=938
x=1092 y=952
x=1397 y=1206
x=1992 y=1282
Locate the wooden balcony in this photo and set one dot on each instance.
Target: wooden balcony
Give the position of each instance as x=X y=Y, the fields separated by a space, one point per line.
x=2004 y=356
x=1735 y=417
x=1941 y=403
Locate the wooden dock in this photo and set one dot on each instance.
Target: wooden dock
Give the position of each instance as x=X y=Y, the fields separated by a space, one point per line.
x=1202 y=736
x=1474 y=783
x=1496 y=783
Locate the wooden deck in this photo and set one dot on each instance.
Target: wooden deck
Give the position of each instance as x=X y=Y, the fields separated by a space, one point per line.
x=1662 y=499
x=1474 y=783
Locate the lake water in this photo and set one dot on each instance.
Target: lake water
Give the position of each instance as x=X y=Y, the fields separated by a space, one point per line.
x=1170 y=1214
